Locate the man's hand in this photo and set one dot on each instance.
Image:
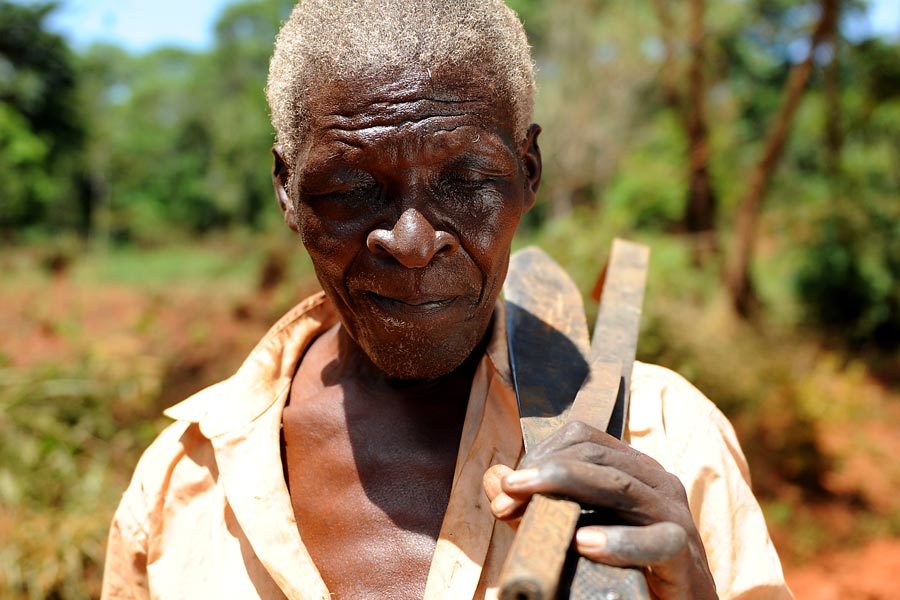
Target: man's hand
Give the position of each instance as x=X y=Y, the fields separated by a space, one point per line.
x=654 y=529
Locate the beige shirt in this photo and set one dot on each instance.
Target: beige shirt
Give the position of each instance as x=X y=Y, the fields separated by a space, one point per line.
x=208 y=515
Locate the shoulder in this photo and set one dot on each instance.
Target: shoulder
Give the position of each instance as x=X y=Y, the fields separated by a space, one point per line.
x=657 y=388
x=674 y=423
x=669 y=416
x=178 y=443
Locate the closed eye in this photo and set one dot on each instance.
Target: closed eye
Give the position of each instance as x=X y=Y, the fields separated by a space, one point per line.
x=337 y=184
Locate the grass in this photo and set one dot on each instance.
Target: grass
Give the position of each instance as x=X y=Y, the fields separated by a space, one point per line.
x=68 y=439
x=230 y=261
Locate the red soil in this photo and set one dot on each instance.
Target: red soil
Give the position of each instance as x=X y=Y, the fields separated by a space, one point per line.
x=866 y=573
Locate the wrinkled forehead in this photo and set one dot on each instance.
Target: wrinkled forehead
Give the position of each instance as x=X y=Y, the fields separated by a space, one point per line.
x=444 y=95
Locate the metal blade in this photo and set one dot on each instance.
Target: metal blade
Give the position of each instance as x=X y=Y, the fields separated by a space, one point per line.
x=549 y=345
x=596 y=399
x=618 y=321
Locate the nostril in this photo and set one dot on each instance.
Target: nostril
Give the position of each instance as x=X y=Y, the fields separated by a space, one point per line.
x=445 y=243
x=378 y=242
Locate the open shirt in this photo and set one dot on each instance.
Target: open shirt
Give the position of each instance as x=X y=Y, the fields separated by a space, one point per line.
x=208 y=513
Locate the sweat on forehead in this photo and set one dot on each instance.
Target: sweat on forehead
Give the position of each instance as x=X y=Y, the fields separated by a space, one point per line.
x=333 y=41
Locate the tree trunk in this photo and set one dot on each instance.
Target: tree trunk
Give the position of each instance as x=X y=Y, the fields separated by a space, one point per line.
x=834 y=137
x=740 y=286
x=700 y=213
x=700 y=202
x=670 y=64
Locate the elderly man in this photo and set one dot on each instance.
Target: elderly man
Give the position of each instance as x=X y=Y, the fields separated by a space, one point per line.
x=364 y=449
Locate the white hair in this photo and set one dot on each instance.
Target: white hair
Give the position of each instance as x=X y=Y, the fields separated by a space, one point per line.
x=329 y=40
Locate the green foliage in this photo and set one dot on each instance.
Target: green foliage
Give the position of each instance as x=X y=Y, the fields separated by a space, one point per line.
x=848 y=278
x=68 y=437
x=642 y=196
x=39 y=126
x=172 y=139
x=28 y=187
x=37 y=76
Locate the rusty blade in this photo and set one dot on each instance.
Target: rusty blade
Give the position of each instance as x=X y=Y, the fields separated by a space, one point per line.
x=618 y=320
x=548 y=341
x=595 y=400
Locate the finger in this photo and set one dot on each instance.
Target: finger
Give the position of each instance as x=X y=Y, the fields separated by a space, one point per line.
x=575 y=433
x=591 y=485
x=648 y=471
x=503 y=506
x=507 y=508
x=492 y=480
x=623 y=546
x=661 y=547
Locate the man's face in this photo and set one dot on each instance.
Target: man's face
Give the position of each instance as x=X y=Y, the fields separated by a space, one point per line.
x=407 y=192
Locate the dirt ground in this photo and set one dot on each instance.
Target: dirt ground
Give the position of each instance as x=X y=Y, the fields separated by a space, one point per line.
x=867 y=573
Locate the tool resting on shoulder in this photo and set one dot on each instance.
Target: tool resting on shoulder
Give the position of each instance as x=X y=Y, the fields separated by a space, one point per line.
x=553 y=361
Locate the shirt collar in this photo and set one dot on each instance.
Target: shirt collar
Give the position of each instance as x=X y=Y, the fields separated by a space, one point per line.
x=270 y=367
x=261 y=378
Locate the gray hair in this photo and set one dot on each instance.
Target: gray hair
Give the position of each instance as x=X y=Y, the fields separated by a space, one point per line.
x=328 y=40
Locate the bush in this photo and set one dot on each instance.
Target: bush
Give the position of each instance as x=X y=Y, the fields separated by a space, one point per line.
x=69 y=438
x=847 y=280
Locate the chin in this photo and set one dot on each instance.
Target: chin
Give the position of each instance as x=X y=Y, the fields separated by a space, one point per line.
x=417 y=357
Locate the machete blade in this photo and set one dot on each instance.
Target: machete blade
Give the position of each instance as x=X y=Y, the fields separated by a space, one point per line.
x=549 y=345
x=618 y=319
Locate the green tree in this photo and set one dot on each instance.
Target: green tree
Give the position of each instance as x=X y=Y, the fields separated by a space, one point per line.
x=39 y=128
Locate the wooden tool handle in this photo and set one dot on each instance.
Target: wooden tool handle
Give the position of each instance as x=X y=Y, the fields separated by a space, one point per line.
x=536 y=558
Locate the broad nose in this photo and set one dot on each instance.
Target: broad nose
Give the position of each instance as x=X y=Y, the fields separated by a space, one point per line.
x=412 y=242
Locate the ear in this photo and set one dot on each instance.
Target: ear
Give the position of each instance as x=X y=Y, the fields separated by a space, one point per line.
x=281 y=175
x=532 y=165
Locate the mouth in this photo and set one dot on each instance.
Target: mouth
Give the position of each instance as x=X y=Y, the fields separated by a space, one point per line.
x=422 y=305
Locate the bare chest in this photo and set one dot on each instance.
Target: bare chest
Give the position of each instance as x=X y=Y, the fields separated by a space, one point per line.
x=369 y=484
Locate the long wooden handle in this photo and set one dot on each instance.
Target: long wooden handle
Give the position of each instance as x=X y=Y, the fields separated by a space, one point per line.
x=536 y=558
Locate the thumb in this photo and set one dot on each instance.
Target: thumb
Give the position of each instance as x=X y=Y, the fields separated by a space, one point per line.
x=503 y=506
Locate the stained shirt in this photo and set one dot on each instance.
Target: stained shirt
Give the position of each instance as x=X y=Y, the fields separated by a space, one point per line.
x=208 y=514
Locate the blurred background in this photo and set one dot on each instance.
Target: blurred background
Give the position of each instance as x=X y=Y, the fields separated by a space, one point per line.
x=754 y=144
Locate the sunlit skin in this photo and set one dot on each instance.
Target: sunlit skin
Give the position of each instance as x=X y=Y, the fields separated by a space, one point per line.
x=406 y=193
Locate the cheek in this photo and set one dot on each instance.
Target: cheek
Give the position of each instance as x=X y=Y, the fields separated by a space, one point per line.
x=489 y=238
x=331 y=246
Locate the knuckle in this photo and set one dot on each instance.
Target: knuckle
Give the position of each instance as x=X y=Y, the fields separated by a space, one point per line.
x=620 y=482
x=673 y=537
x=676 y=488
x=595 y=453
x=576 y=431
x=670 y=486
x=555 y=470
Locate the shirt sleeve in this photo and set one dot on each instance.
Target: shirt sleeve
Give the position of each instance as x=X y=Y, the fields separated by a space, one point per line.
x=128 y=547
x=678 y=426
x=742 y=557
x=125 y=572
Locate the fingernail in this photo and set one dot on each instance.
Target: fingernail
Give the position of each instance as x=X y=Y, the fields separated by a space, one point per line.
x=590 y=537
x=520 y=478
x=502 y=504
